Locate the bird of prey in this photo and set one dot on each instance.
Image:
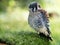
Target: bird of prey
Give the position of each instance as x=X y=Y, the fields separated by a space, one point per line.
x=38 y=19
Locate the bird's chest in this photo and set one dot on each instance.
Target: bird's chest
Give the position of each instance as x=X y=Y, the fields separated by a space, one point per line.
x=35 y=21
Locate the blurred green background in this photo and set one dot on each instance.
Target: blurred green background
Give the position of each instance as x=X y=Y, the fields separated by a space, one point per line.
x=14 y=27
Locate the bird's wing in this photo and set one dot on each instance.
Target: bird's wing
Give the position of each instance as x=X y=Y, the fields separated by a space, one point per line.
x=45 y=17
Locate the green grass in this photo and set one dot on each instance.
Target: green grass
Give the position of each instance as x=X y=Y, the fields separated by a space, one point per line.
x=18 y=32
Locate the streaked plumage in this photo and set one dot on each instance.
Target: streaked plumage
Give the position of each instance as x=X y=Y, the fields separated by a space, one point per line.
x=38 y=19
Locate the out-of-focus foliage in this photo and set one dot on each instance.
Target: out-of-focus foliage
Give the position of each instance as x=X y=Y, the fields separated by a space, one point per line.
x=3 y=5
x=25 y=3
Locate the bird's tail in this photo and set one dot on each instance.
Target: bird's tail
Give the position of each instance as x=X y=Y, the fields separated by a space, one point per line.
x=50 y=38
x=47 y=37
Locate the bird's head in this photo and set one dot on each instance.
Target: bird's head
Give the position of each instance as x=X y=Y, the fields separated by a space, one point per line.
x=34 y=6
